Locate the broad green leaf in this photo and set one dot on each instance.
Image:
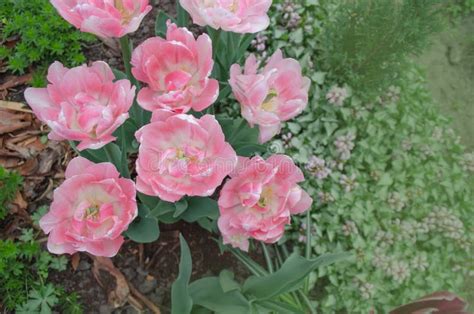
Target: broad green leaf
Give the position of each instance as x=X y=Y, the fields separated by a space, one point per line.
x=183 y=16
x=227 y=282
x=144 y=230
x=160 y=23
x=277 y=307
x=200 y=207
x=208 y=293
x=181 y=207
x=181 y=301
x=289 y=277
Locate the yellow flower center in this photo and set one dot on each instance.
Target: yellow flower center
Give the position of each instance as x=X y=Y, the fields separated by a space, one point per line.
x=265 y=197
x=126 y=15
x=92 y=212
x=270 y=104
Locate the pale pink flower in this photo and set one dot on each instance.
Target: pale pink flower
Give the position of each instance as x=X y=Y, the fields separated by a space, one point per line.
x=104 y=18
x=176 y=70
x=82 y=104
x=276 y=93
x=238 y=16
x=90 y=210
x=181 y=155
x=259 y=199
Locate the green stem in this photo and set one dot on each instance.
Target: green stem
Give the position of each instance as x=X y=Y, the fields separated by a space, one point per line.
x=267 y=258
x=126 y=47
x=308 y=247
x=278 y=254
x=307 y=302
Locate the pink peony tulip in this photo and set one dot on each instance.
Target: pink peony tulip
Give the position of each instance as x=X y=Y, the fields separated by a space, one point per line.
x=90 y=210
x=182 y=155
x=259 y=199
x=176 y=70
x=104 y=18
x=276 y=93
x=82 y=104
x=238 y=16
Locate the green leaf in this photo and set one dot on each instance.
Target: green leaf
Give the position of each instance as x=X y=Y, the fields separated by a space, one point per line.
x=208 y=293
x=160 y=23
x=243 y=139
x=181 y=302
x=227 y=282
x=201 y=207
x=181 y=207
x=144 y=229
x=289 y=277
x=183 y=16
x=279 y=307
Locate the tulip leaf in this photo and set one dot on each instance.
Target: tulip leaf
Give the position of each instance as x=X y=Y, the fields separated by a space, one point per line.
x=277 y=307
x=144 y=229
x=182 y=15
x=289 y=277
x=208 y=293
x=227 y=282
x=243 y=139
x=181 y=207
x=181 y=302
x=200 y=207
x=160 y=23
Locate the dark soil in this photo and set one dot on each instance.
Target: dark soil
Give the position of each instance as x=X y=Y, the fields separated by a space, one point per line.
x=150 y=268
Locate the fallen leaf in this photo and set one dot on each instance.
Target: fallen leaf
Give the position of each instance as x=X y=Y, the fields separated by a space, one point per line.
x=13 y=81
x=15 y=106
x=75 y=259
x=119 y=296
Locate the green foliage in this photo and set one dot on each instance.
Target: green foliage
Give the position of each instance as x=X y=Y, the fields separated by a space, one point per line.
x=9 y=183
x=406 y=212
x=266 y=290
x=402 y=200
x=24 y=270
x=366 y=42
x=43 y=35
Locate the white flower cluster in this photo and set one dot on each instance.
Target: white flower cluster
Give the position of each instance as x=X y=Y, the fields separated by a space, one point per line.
x=259 y=43
x=336 y=95
x=420 y=262
x=468 y=162
x=325 y=197
x=392 y=96
x=384 y=238
x=344 y=145
x=396 y=201
x=349 y=228
x=399 y=270
x=442 y=220
x=290 y=15
x=317 y=167
x=349 y=183
x=286 y=138
x=366 y=289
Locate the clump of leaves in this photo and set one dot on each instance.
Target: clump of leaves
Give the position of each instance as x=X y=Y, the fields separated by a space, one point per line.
x=43 y=36
x=24 y=270
x=366 y=42
x=9 y=182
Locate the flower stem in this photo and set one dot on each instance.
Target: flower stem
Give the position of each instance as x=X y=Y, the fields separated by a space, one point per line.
x=267 y=258
x=308 y=247
x=126 y=46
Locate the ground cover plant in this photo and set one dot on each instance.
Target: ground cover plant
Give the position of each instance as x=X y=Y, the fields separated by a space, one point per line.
x=327 y=174
x=32 y=33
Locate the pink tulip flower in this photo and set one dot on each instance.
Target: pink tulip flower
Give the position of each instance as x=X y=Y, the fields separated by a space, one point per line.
x=238 y=16
x=90 y=210
x=181 y=155
x=176 y=70
x=269 y=96
x=82 y=104
x=259 y=199
x=104 y=18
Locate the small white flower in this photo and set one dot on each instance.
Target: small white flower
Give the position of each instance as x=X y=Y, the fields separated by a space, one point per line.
x=336 y=95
